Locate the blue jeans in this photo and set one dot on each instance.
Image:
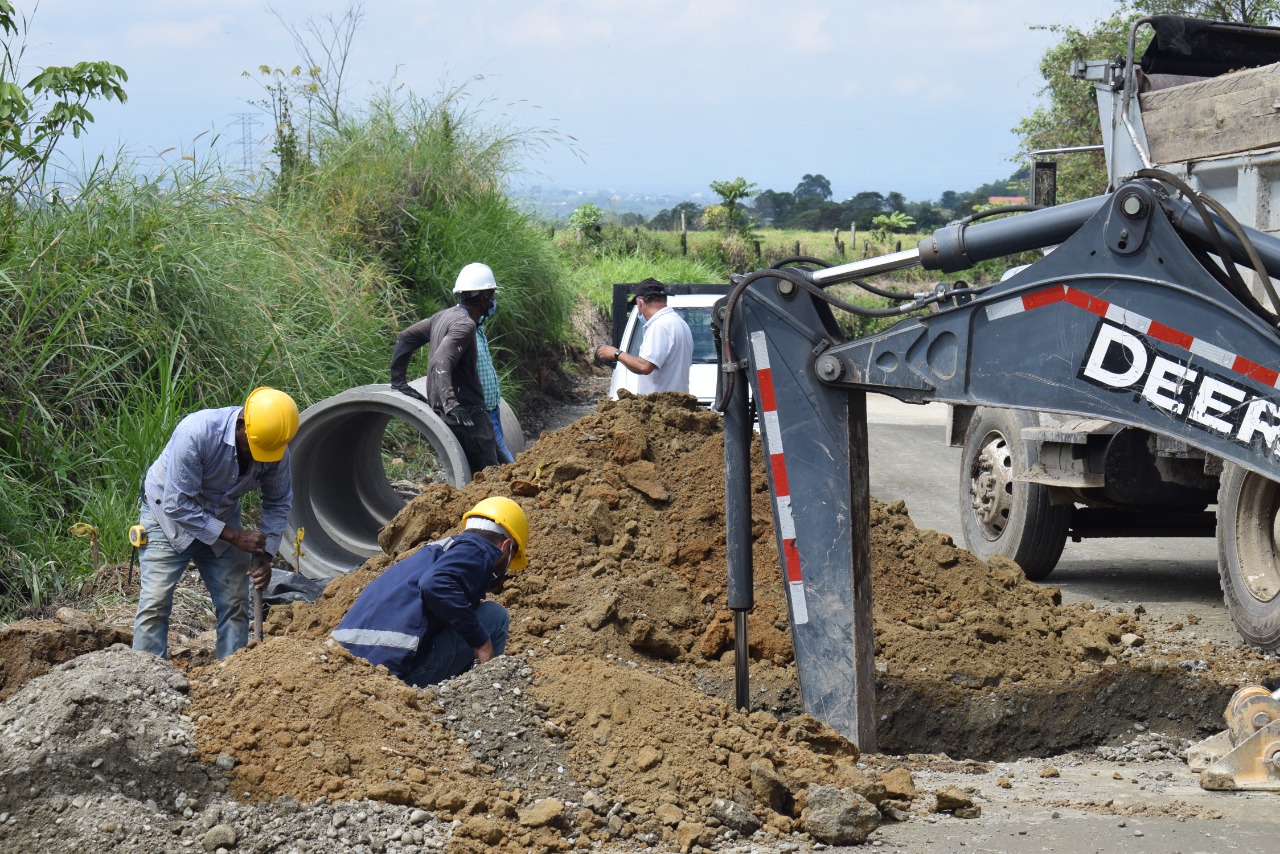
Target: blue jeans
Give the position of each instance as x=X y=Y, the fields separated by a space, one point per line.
x=450 y=655
x=504 y=453
x=159 y=567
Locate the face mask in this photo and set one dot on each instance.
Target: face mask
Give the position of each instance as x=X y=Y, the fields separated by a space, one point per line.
x=493 y=306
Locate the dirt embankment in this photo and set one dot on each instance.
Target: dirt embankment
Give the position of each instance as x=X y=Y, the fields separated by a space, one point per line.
x=609 y=720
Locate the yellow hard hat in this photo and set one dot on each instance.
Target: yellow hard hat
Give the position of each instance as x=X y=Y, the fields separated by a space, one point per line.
x=270 y=422
x=508 y=514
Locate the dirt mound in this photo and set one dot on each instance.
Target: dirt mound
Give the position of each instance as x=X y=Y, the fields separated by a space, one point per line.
x=670 y=752
x=301 y=717
x=619 y=606
x=31 y=648
x=627 y=556
x=99 y=754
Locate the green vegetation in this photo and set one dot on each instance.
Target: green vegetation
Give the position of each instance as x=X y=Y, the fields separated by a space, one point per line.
x=36 y=115
x=145 y=299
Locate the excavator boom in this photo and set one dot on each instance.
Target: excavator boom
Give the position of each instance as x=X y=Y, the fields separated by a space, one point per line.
x=1128 y=319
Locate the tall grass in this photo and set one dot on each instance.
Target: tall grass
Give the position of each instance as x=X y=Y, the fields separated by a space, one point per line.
x=418 y=186
x=594 y=280
x=142 y=299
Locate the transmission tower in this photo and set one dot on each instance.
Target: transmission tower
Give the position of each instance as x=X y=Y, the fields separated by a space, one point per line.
x=247 y=122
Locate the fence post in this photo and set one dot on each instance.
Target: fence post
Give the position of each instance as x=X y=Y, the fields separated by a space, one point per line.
x=757 y=245
x=797 y=247
x=684 y=237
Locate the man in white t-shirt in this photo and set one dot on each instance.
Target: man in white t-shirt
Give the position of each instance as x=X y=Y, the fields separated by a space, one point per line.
x=667 y=351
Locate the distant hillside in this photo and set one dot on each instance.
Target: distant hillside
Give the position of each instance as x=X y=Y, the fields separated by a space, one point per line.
x=557 y=203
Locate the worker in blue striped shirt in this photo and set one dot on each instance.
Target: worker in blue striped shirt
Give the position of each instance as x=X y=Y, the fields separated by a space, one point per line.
x=191 y=511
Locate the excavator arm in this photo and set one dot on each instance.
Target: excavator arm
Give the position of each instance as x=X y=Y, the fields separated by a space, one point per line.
x=1129 y=318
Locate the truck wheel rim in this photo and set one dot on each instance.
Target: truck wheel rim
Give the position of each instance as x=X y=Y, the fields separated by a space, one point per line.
x=1257 y=533
x=991 y=485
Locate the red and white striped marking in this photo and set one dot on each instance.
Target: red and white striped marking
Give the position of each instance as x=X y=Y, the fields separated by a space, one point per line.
x=1142 y=325
x=768 y=406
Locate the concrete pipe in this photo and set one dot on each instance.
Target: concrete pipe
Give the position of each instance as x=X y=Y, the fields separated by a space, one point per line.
x=342 y=495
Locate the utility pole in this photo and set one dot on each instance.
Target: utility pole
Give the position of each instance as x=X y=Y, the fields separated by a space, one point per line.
x=247 y=122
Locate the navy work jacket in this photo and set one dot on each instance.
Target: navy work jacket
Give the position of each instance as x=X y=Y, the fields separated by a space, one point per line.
x=439 y=586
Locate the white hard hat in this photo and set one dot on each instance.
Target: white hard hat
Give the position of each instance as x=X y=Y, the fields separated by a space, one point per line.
x=475 y=277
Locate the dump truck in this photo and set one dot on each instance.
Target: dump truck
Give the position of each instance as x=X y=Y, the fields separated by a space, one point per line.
x=1126 y=383
x=1200 y=104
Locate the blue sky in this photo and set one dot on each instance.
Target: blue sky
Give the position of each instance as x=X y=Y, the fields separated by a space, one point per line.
x=914 y=96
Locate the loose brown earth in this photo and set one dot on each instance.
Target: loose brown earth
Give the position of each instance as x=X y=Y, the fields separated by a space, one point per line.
x=610 y=719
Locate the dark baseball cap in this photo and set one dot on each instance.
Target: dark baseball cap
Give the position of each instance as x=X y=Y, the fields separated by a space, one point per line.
x=650 y=288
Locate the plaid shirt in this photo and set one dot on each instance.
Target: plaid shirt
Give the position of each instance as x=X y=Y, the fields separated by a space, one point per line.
x=488 y=376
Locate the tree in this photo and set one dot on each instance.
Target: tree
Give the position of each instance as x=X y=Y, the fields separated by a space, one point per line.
x=926 y=215
x=314 y=86
x=1240 y=11
x=1069 y=116
x=885 y=224
x=774 y=208
x=669 y=220
x=291 y=155
x=811 y=190
x=895 y=201
x=586 y=218
x=36 y=115
x=692 y=213
x=731 y=194
x=863 y=207
x=324 y=47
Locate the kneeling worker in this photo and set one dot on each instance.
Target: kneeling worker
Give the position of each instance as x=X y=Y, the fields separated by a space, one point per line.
x=425 y=618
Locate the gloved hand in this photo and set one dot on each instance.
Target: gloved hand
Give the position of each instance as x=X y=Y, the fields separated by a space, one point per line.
x=458 y=417
x=409 y=391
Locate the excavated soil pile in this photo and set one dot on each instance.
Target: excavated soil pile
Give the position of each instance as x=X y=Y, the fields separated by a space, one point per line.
x=605 y=734
x=627 y=558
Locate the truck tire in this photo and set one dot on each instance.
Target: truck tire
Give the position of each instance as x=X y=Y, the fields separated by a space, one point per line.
x=1001 y=516
x=1248 y=565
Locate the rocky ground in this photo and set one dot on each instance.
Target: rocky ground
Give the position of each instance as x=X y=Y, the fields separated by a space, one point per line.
x=1008 y=719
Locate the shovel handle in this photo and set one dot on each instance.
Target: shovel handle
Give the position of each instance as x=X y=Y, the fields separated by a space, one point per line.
x=257 y=615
